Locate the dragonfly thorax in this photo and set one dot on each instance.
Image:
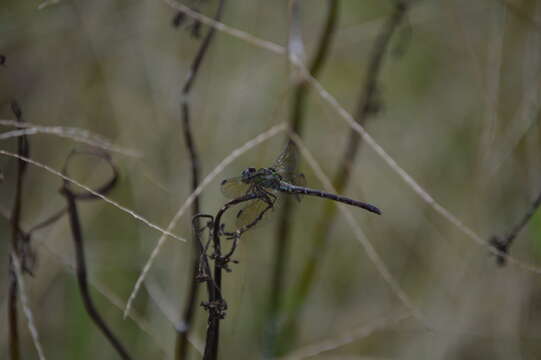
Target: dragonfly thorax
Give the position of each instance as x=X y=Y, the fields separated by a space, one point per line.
x=266 y=177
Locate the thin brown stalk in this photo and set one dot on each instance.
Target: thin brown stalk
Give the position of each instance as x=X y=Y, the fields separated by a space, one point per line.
x=216 y=305
x=503 y=244
x=49 y=221
x=77 y=234
x=189 y=307
x=367 y=104
x=17 y=240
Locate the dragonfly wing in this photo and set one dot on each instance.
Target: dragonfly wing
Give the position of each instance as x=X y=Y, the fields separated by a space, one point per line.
x=298 y=179
x=234 y=187
x=286 y=163
x=253 y=213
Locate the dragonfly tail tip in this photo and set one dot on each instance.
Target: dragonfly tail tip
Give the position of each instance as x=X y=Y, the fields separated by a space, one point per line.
x=375 y=210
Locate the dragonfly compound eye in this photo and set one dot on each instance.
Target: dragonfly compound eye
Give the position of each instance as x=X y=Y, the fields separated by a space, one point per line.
x=248 y=172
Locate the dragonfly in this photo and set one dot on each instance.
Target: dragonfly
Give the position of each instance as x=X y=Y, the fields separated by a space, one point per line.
x=269 y=183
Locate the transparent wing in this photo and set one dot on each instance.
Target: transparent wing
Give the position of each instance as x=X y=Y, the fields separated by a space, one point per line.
x=255 y=212
x=298 y=179
x=286 y=163
x=234 y=188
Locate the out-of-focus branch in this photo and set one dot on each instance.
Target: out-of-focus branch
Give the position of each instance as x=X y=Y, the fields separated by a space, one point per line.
x=367 y=105
x=189 y=309
x=17 y=239
x=503 y=244
x=296 y=123
x=75 y=224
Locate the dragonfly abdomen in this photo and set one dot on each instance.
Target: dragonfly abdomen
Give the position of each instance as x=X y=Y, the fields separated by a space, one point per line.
x=312 y=192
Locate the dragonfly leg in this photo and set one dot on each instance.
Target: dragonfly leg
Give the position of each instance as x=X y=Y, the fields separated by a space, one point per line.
x=269 y=198
x=250 y=190
x=263 y=195
x=266 y=197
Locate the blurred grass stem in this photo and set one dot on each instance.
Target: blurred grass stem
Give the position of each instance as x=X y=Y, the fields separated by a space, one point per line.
x=189 y=307
x=77 y=235
x=365 y=108
x=296 y=121
x=17 y=246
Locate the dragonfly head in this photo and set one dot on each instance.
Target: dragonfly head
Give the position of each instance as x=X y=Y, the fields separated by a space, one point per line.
x=248 y=173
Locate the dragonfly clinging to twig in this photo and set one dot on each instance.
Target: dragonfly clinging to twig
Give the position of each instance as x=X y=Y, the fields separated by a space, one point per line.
x=269 y=183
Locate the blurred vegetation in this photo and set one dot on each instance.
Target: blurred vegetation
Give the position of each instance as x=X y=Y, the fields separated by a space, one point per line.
x=460 y=104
